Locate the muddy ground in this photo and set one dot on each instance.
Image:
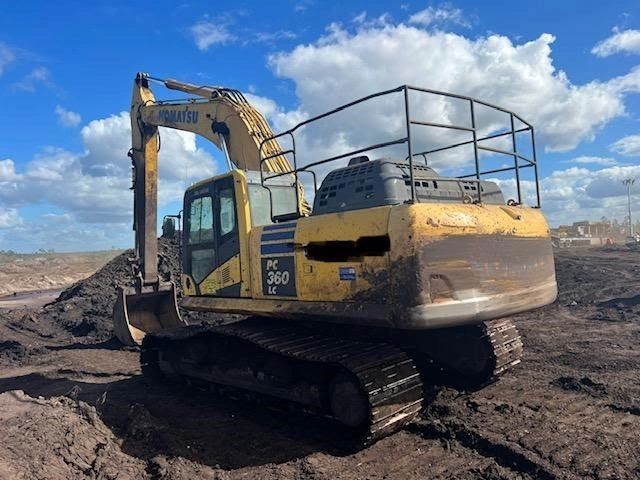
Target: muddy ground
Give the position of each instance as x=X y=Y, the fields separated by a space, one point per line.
x=73 y=403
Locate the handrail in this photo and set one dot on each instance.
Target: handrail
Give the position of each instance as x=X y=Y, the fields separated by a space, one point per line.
x=473 y=129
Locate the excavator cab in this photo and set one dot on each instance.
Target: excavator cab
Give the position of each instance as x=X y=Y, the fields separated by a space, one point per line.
x=218 y=214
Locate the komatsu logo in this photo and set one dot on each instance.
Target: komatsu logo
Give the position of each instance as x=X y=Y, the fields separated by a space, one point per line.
x=178 y=116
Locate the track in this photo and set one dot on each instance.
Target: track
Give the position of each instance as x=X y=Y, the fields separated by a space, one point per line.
x=374 y=388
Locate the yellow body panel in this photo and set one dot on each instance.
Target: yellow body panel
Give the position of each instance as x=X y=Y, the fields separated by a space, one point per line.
x=440 y=219
x=319 y=280
x=224 y=276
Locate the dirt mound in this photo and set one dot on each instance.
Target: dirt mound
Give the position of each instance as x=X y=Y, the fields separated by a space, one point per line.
x=59 y=438
x=85 y=308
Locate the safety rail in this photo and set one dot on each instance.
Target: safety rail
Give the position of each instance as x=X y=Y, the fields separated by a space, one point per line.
x=520 y=161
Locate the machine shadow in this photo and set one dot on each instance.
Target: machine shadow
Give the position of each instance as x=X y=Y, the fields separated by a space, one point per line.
x=179 y=421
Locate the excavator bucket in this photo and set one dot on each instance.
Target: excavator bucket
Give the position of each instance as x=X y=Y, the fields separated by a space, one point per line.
x=136 y=314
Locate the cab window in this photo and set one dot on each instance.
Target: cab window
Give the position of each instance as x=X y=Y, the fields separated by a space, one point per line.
x=227 y=211
x=201 y=220
x=283 y=198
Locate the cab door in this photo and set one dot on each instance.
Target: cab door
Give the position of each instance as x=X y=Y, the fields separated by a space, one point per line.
x=211 y=239
x=227 y=279
x=199 y=240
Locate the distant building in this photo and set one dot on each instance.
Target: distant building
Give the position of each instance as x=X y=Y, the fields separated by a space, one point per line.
x=587 y=233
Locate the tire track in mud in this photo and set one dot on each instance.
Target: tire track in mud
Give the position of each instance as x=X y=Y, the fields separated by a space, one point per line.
x=506 y=454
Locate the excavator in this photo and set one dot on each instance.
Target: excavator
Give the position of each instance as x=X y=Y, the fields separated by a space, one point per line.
x=391 y=279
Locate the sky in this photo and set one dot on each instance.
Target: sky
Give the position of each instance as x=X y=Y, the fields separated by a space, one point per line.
x=570 y=68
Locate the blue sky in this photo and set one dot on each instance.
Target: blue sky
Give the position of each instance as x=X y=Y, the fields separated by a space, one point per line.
x=66 y=70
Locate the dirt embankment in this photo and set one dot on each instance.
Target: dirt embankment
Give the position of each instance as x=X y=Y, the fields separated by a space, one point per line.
x=571 y=410
x=84 y=309
x=47 y=271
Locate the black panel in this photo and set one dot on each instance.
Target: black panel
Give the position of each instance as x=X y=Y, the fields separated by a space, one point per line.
x=230 y=291
x=279 y=276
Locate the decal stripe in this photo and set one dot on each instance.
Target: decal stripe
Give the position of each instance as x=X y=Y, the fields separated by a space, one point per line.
x=276 y=248
x=284 y=235
x=279 y=226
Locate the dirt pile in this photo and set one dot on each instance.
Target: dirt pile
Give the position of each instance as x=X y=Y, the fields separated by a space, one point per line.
x=59 y=438
x=84 y=309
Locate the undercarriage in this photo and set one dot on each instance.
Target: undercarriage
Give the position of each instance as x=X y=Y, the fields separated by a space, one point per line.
x=371 y=383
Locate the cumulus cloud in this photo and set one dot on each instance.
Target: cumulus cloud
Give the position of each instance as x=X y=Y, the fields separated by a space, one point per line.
x=628 y=146
x=627 y=41
x=6 y=56
x=107 y=141
x=437 y=16
x=518 y=76
x=30 y=82
x=90 y=189
x=206 y=33
x=67 y=118
x=577 y=193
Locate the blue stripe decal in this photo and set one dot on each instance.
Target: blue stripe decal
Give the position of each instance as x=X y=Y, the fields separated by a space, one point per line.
x=279 y=226
x=276 y=248
x=278 y=236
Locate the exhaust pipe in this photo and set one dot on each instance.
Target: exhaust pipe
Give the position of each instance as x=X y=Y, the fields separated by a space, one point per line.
x=135 y=314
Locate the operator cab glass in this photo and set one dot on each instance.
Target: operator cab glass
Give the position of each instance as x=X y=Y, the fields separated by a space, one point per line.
x=283 y=198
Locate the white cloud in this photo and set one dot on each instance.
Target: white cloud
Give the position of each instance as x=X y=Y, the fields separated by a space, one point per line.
x=577 y=193
x=107 y=141
x=442 y=15
x=627 y=41
x=31 y=81
x=302 y=5
x=9 y=218
x=628 y=146
x=67 y=118
x=360 y=18
x=588 y=160
x=89 y=191
x=518 y=76
x=7 y=170
x=6 y=56
x=206 y=33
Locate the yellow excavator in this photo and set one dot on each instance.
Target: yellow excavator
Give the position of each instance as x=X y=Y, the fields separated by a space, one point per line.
x=397 y=277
